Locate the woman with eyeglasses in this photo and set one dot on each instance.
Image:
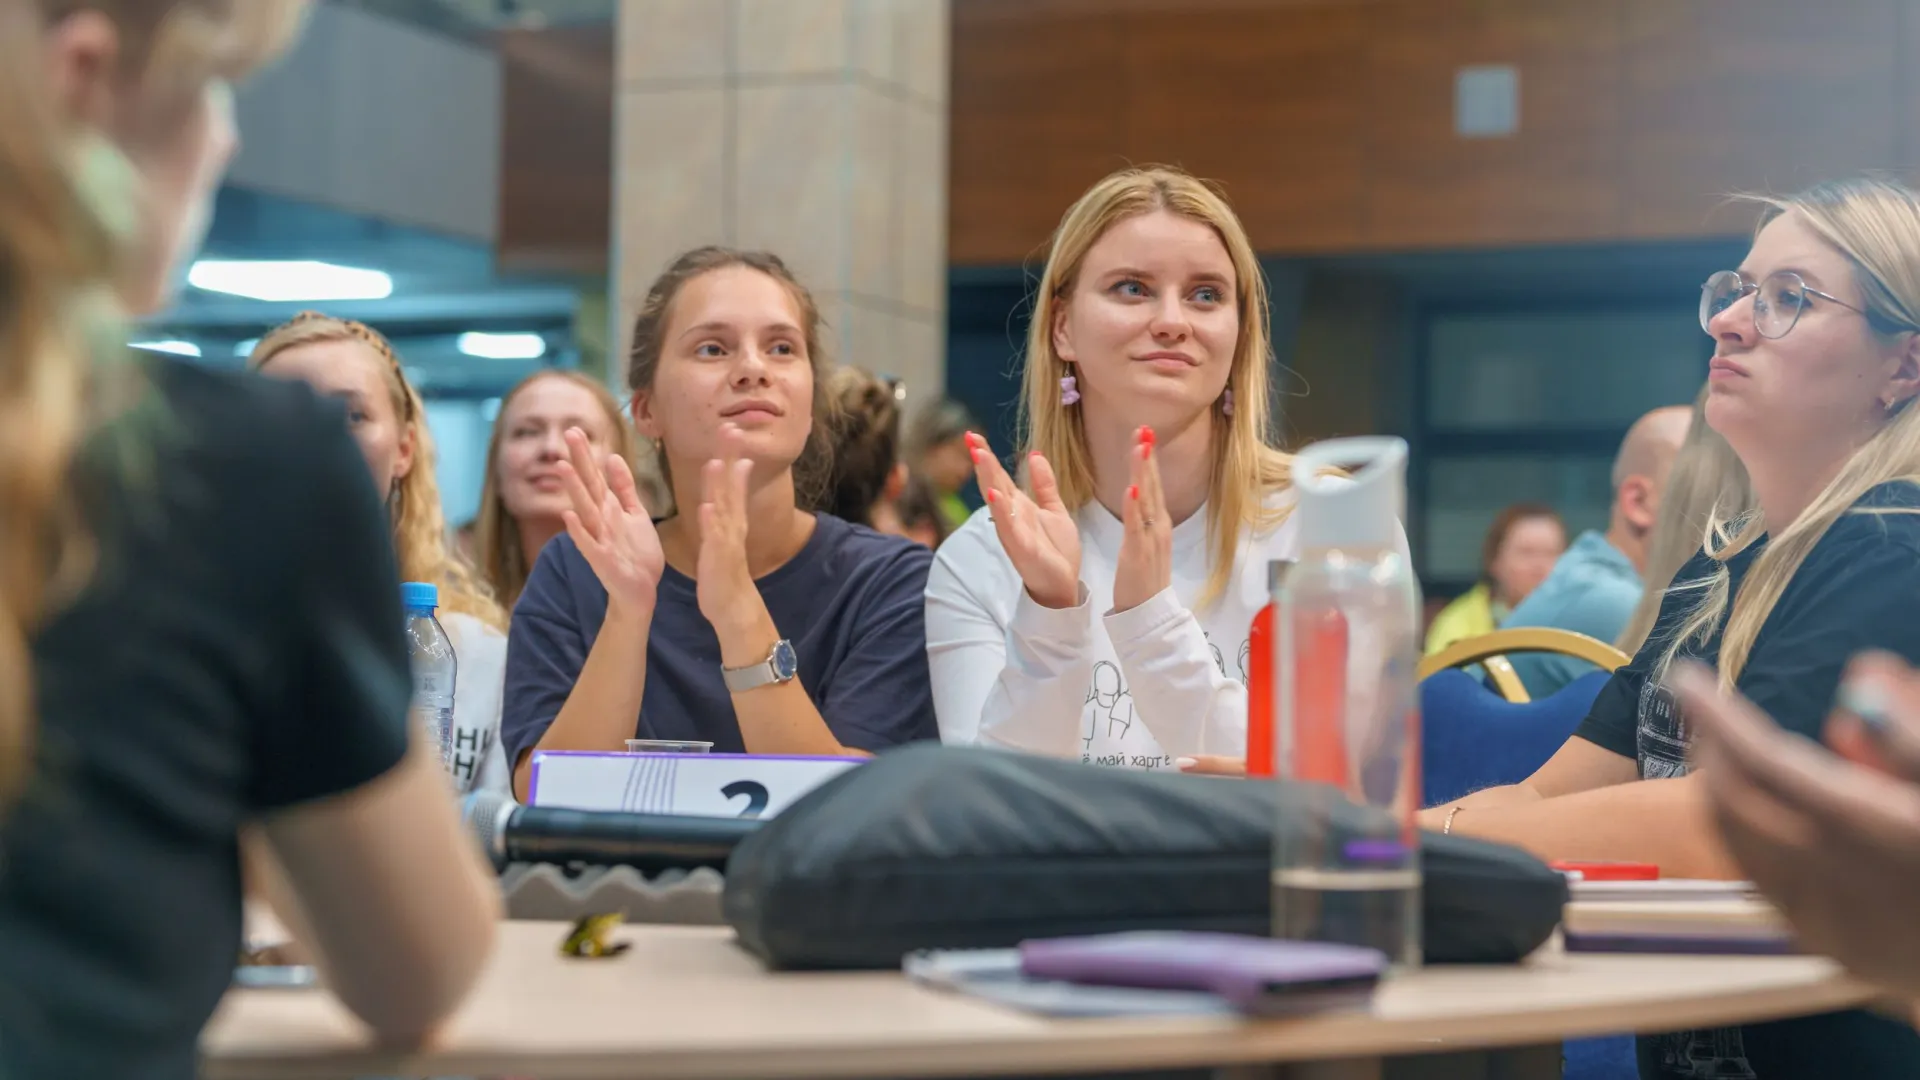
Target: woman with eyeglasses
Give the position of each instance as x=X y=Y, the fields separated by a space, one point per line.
x=1815 y=368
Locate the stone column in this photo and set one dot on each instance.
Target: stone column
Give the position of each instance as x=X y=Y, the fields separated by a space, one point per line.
x=816 y=129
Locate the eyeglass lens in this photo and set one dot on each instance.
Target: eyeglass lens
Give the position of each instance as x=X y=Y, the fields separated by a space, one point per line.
x=1777 y=301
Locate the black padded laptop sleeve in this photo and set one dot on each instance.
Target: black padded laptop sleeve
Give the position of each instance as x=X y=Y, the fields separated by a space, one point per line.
x=949 y=847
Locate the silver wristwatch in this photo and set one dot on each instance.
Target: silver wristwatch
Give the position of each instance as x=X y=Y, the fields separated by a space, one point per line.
x=780 y=666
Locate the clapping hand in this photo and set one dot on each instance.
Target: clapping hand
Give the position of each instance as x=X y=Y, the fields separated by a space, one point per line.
x=1145 y=566
x=1832 y=839
x=610 y=526
x=727 y=595
x=1038 y=533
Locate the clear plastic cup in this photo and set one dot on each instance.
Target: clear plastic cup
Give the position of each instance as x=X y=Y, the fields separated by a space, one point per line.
x=668 y=746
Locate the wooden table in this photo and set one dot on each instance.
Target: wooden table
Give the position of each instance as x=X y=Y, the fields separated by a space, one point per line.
x=687 y=1002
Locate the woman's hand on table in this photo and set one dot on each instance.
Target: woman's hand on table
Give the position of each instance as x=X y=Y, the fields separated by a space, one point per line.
x=1206 y=765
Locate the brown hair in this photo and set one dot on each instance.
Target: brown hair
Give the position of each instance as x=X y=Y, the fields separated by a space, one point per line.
x=497 y=534
x=63 y=222
x=866 y=443
x=1503 y=523
x=813 y=471
x=917 y=507
x=419 y=525
x=1247 y=464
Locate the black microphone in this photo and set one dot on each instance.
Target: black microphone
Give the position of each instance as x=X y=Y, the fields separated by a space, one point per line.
x=650 y=843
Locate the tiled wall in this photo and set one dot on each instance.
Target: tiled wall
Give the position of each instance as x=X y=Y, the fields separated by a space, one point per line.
x=816 y=130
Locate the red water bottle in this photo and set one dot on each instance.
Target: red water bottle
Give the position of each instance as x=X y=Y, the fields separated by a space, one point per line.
x=1321 y=754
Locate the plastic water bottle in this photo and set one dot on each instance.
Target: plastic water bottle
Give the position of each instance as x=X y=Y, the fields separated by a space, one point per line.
x=1346 y=861
x=430 y=654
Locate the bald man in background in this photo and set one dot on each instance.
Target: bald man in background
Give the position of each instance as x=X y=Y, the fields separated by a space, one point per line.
x=1595 y=585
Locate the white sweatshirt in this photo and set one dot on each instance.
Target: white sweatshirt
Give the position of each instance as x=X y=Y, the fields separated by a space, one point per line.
x=1136 y=689
x=480 y=651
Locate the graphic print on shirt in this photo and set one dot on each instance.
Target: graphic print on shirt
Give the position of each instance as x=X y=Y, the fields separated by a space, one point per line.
x=1108 y=700
x=1718 y=1054
x=1660 y=734
x=469 y=751
x=1705 y=1055
x=1107 y=715
x=1246 y=650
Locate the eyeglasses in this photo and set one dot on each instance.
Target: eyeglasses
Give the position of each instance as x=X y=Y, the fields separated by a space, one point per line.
x=1777 y=302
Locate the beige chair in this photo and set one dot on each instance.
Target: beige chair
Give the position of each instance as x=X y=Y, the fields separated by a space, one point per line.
x=1491 y=650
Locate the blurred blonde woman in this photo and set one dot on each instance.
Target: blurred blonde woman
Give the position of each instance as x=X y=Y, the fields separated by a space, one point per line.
x=1104 y=615
x=1815 y=369
x=199 y=615
x=1706 y=495
x=523 y=497
x=355 y=364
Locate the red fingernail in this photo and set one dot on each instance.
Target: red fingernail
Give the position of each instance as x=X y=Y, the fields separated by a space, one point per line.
x=1133 y=492
x=1146 y=435
x=992 y=496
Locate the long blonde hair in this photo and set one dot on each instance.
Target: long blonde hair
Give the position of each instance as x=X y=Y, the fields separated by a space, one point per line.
x=419 y=525
x=497 y=535
x=1875 y=223
x=65 y=225
x=1706 y=494
x=1247 y=466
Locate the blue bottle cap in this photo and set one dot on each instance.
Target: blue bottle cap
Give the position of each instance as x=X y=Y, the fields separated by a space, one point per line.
x=420 y=595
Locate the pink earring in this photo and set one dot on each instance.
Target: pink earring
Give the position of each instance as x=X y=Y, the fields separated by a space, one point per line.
x=1226 y=402
x=1069 y=389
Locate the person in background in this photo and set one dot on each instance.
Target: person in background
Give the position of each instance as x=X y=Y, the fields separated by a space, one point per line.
x=1831 y=835
x=199 y=615
x=919 y=514
x=523 y=496
x=937 y=451
x=867 y=475
x=1594 y=586
x=743 y=619
x=1706 y=489
x=1522 y=545
x=1815 y=369
x=1104 y=616
x=355 y=364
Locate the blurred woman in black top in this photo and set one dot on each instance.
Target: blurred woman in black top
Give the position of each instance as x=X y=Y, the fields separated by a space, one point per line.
x=199 y=626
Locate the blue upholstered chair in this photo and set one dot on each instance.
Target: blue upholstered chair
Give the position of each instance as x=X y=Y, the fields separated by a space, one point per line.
x=1471 y=739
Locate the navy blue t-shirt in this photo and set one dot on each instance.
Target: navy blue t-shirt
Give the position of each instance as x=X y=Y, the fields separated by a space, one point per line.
x=851 y=602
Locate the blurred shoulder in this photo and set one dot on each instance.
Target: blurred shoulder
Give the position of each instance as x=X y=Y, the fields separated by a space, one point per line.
x=857 y=550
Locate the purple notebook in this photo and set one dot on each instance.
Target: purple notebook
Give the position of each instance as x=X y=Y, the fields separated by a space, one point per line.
x=1255 y=974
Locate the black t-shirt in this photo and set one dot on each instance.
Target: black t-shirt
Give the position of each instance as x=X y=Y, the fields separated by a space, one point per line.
x=238 y=650
x=1858 y=589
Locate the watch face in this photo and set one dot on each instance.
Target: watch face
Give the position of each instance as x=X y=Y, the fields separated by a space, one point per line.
x=785 y=664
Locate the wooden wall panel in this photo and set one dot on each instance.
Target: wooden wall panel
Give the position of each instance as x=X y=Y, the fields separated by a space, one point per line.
x=1330 y=122
x=1731 y=95
x=1043 y=104
x=1553 y=180
x=556 y=149
x=1220 y=96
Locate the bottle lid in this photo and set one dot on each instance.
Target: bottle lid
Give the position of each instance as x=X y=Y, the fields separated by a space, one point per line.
x=1361 y=508
x=420 y=595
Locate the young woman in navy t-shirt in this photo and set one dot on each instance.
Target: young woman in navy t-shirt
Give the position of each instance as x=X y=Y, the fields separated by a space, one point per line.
x=741 y=619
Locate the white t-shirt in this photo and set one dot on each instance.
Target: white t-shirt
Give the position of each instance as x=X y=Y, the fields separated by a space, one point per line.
x=479 y=763
x=1136 y=689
